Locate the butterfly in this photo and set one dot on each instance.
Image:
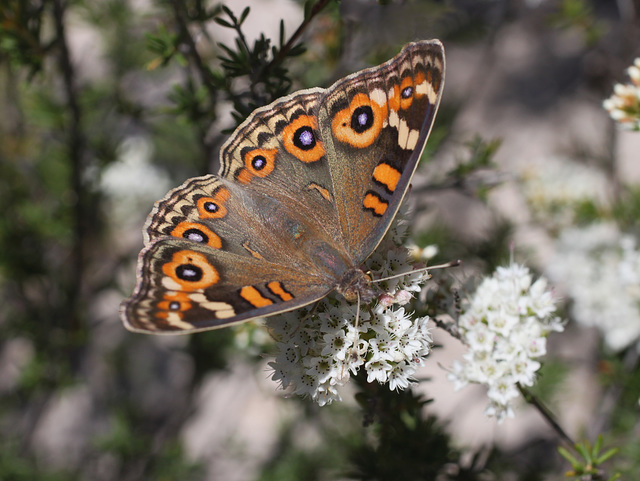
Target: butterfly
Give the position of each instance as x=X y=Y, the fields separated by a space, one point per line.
x=307 y=188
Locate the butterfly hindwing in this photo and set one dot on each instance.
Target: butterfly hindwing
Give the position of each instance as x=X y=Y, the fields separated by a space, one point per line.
x=185 y=286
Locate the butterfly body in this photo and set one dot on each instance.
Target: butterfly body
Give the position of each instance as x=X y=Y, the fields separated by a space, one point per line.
x=307 y=188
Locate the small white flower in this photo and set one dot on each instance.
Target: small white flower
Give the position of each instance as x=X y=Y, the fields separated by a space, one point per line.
x=624 y=105
x=400 y=376
x=319 y=350
x=505 y=324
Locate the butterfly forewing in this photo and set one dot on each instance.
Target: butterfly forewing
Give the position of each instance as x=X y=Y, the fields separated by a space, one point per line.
x=277 y=152
x=375 y=124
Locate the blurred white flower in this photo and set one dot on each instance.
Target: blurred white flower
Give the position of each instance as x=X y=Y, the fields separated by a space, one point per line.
x=554 y=187
x=600 y=269
x=505 y=324
x=321 y=347
x=624 y=104
x=131 y=182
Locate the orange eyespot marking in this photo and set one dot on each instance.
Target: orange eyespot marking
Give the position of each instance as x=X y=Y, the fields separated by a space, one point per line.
x=197 y=233
x=300 y=140
x=191 y=271
x=277 y=289
x=253 y=297
x=213 y=207
x=359 y=124
x=173 y=303
x=260 y=162
x=175 y=306
x=323 y=192
x=387 y=176
x=375 y=203
x=407 y=91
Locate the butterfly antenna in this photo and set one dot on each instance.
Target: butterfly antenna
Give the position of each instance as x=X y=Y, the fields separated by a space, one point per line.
x=424 y=269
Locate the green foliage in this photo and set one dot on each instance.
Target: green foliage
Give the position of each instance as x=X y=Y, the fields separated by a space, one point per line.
x=16 y=467
x=626 y=211
x=579 y=14
x=22 y=33
x=589 y=461
x=406 y=443
x=135 y=449
x=551 y=378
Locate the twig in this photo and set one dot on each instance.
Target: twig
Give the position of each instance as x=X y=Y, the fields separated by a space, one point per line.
x=205 y=77
x=317 y=8
x=547 y=415
x=76 y=154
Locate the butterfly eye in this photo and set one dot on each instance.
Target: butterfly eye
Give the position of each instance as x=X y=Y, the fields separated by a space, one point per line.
x=362 y=119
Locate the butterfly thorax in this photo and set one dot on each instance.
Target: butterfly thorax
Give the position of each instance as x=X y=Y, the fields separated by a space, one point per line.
x=355 y=282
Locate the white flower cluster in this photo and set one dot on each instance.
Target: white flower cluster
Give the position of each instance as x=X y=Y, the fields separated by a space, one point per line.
x=600 y=269
x=555 y=186
x=505 y=327
x=321 y=347
x=624 y=105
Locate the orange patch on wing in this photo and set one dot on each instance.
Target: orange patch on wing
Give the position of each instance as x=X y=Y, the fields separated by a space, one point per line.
x=323 y=192
x=255 y=254
x=342 y=129
x=294 y=144
x=213 y=207
x=394 y=99
x=243 y=176
x=278 y=290
x=253 y=297
x=191 y=270
x=375 y=203
x=387 y=176
x=209 y=237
